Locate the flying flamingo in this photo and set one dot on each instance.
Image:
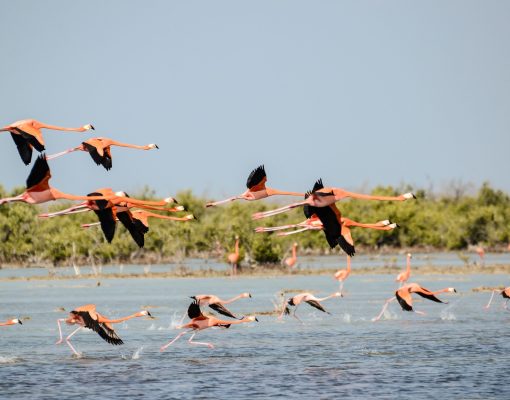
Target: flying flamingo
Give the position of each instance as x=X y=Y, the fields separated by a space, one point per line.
x=39 y=191
x=217 y=304
x=200 y=322
x=505 y=293
x=87 y=317
x=27 y=135
x=404 y=275
x=233 y=258
x=291 y=261
x=256 y=184
x=324 y=196
x=11 y=322
x=309 y=299
x=99 y=150
x=342 y=274
x=403 y=296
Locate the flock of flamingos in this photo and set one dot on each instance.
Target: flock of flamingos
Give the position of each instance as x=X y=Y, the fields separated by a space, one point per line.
x=319 y=207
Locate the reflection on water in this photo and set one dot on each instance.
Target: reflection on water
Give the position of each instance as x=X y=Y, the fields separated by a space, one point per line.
x=458 y=350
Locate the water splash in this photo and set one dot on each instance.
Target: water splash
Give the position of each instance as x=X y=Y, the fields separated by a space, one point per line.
x=347 y=318
x=9 y=360
x=447 y=316
x=137 y=353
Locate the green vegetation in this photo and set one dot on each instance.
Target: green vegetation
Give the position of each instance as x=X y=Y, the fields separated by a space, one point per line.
x=450 y=222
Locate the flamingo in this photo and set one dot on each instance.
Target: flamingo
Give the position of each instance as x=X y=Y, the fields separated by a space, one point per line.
x=27 y=135
x=11 y=322
x=309 y=299
x=322 y=196
x=342 y=274
x=403 y=296
x=233 y=258
x=291 y=261
x=403 y=277
x=481 y=253
x=505 y=293
x=87 y=317
x=200 y=322
x=217 y=304
x=256 y=184
x=39 y=191
x=99 y=150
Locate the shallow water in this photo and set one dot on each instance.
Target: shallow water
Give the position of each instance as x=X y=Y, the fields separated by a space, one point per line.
x=458 y=350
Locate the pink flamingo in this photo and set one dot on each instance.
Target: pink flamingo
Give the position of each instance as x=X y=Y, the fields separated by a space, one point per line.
x=403 y=277
x=99 y=150
x=27 y=135
x=11 y=322
x=233 y=258
x=327 y=196
x=342 y=274
x=505 y=293
x=291 y=261
x=256 y=184
x=403 y=296
x=87 y=317
x=309 y=299
x=200 y=322
x=217 y=304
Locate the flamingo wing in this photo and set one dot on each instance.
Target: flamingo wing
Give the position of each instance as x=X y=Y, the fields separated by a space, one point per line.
x=194 y=310
x=428 y=296
x=107 y=158
x=405 y=300
x=30 y=138
x=128 y=221
x=94 y=154
x=317 y=305
x=345 y=241
x=257 y=179
x=40 y=174
x=24 y=148
x=220 y=308
x=102 y=329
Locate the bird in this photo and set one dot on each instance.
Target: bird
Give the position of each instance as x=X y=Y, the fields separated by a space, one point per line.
x=403 y=277
x=217 y=304
x=291 y=261
x=233 y=258
x=481 y=253
x=27 y=135
x=39 y=191
x=87 y=317
x=99 y=150
x=309 y=299
x=342 y=274
x=256 y=184
x=403 y=296
x=505 y=293
x=324 y=196
x=200 y=322
x=11 y=322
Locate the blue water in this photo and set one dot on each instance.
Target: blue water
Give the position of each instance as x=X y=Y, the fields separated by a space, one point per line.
x=457 y=351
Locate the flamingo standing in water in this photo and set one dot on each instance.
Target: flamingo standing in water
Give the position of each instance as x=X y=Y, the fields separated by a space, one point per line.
x=291 y=261
x=87 y=317
x=324 y=196
x=403 y=296
x=200 y=322
x=403 y=277
x=39 y=191
x=233 y=258
x=342 y=274
x=11 y=322
x=217 y=304
x=256 y=184
x=27 y=135
x=99 y=150
x=309 y=299
x=505 y=293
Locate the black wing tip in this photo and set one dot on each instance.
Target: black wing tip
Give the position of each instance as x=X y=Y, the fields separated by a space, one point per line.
x=256 y=176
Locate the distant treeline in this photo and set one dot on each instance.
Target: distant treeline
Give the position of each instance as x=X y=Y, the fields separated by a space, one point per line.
x=440 y=222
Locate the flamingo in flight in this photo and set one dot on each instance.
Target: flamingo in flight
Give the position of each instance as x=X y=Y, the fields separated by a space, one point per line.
x=233 y=258
x=291 y=261
x=309 y=299
x=39 y=191
x=342 y=274
x=403 y=296
x=403 y=277
x=87 y=317
x=27 y=135
x=136 y=222
x=217 y=304
x=99 y=150
x=200 y=322
x=11 y=322
x=505 y=293
x=322 y=196
x=256 y=184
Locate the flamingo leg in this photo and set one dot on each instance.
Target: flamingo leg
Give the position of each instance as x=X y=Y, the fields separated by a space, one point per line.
x=385 y=306
x=69 y=342
x=53 y=156
x=10 y=199
x=295 y=316
x=420 y=312
x=190 y=341
x=505 y=304
x=215 y=203
x=162 y=348
x=292 y=232
x=341 y=287
x=490 y=300
x=60 y=330
x=260 y=215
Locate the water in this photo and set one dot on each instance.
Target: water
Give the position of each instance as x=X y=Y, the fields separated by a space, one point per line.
x=458 y=350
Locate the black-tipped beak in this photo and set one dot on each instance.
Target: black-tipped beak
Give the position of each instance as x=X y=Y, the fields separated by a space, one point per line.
x=193 y=297
x=454 y=290
x=249 y=295
x=92 y=127
x=149 y=314
x=157 y=147
x=194 y=217
x=397 y=225
x=256 y=319
x=19 y=322
x=175 y=201
x=414 y=196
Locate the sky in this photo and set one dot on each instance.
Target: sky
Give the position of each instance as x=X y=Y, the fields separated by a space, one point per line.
x=360 y=93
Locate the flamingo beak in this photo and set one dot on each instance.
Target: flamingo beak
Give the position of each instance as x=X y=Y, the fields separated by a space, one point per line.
x=149 y=314
x=92 y=127
x=19 y=322
x=256 y=319
x=157 y=147
x=249 y=295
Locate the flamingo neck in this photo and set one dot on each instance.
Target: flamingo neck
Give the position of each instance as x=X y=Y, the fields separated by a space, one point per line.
x=233 y=299
x=115 y=321
x=237 y=247
x=327 y=297
x=294 y=255
x=275 y=192
x=348 y=264
x=408 y=266
x=60 y=128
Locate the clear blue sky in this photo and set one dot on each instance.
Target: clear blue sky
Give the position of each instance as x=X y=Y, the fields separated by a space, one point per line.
x=360 y=93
